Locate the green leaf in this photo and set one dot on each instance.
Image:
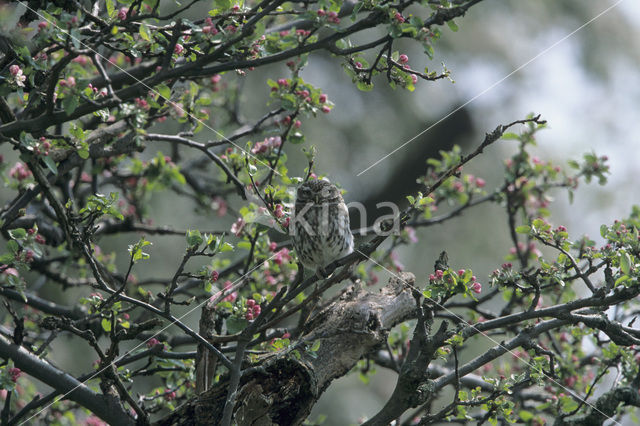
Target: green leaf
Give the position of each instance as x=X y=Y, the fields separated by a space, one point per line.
x=523 y=229
x=164 y=91
x=365 y=87
x=226 y=247
x=83 y=153
x=18 y=233
x=51 y=165
x=603 y=231
x=194 y=238
x=144 y=32
x=110 y=8
x=621 y=280
x=136 y=252
x=316 y=346
x=106 y=324
x=452 y=25
x=525 y=415
x=245 y=245
x=13 y=247
x=296 y=138
x=625 y=263
x=510 y=136
x=70 y=103
x=236 y=325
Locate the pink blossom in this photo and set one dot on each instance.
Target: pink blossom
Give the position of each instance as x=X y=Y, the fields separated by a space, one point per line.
x=326 y=109
x=281 y=256
x=19 y=171
x=42 y=25
x=178 y=49
x=214 y=276
x=398 y=16
x=439 y=274
x=9 y=271
x=411 y=233
x=153 y=342
x=219 y=205
x=476 y=287
x=480 y=183
x=403 y=59
x=15 y=373
x=122 y=13
x=14 y=70
x=272 y=246
x=414 y=78
x=322 y=98
x=232 y=296
x=238 y=226
x=93 y=420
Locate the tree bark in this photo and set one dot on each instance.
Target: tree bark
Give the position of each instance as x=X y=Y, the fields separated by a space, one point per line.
x=105 y=407
x=282 y=388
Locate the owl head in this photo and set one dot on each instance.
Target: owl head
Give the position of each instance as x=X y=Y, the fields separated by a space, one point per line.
x=318 y=192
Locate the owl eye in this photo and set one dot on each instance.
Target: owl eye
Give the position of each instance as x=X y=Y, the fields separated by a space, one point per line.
x=304 y=193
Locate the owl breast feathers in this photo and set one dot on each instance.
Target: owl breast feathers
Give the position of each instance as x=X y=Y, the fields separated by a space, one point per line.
x=321 y=230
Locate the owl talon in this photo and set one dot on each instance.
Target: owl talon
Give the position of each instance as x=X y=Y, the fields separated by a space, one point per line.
x=322 y=273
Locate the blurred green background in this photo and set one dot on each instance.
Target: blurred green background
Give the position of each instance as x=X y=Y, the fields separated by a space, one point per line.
x=586 y=85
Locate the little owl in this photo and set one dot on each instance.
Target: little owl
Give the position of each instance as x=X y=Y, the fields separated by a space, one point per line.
x=321 y=232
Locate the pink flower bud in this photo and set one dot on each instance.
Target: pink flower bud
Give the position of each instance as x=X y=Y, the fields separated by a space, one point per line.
x=178 y=49
x=403 y=59
x=15 y=373
x=14 y=70
x=122 y=13
x=476 y=287
x=326 y=109
x=322 y=98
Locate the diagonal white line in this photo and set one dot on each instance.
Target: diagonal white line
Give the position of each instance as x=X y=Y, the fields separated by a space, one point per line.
x=492 y=86
x=113 y=363
x=151 y=89
x=515 y=355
